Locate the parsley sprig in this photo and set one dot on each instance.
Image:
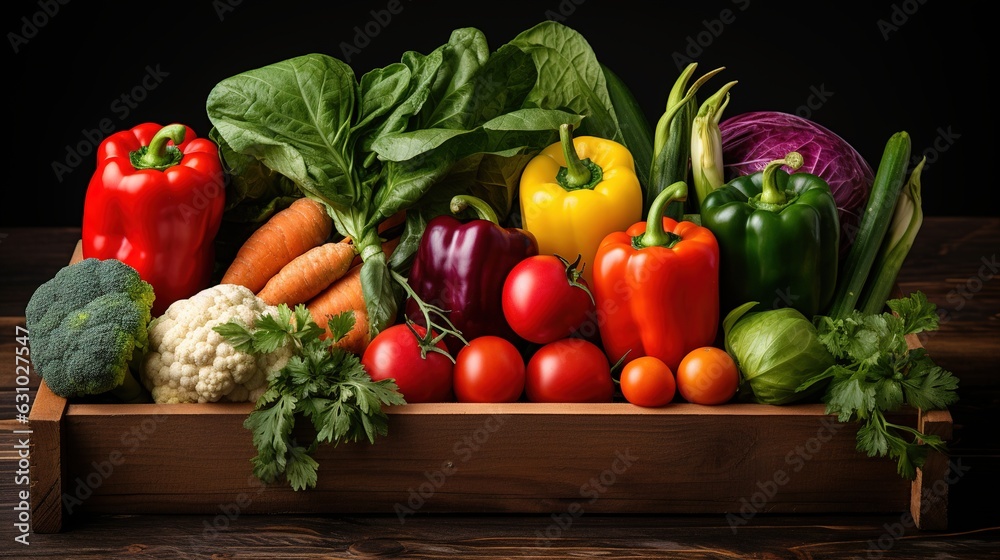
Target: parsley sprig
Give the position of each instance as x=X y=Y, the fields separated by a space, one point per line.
x=321 y=383
x=877 y=372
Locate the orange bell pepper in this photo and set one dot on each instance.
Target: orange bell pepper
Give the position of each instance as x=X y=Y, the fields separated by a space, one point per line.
x=656 y=286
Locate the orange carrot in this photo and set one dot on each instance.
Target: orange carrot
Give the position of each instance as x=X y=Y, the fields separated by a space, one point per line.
x=392 y=221
x=308 y=274
x=285 y=235
x=343 y=295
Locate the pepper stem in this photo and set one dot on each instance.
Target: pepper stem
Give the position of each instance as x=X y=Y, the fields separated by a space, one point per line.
x=158 y=155
x=770 y=193
x=655 y=235
x=577 y=174
x=484 y=211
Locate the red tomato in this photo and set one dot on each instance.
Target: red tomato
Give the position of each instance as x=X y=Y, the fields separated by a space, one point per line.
x=395 y=353
x=489 y=370
x=545 y=299
x=570 y=370
x=707 y=375
x=647 y=381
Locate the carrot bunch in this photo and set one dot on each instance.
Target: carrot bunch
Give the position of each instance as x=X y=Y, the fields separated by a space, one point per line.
x=291 y=259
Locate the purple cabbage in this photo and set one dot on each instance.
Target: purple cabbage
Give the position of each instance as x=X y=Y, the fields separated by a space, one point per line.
x=751 y=140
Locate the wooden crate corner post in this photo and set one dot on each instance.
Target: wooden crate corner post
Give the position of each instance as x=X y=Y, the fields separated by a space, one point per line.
x=929 y=490
x=46 y=461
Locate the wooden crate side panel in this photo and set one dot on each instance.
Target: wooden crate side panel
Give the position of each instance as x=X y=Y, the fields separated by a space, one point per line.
x=46 y=460
x=533 y=463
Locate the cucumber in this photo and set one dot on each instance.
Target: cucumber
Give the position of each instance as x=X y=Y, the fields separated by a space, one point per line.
x=854 y=271
x=632 y=121
x=906 y=221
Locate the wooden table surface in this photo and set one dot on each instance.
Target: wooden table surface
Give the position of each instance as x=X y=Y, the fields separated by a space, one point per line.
x=954 y=262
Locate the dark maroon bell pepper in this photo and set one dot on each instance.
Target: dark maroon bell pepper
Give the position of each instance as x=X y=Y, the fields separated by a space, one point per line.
x=461 y=267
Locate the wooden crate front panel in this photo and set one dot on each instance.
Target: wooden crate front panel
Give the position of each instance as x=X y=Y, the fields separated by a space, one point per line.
x=521 y=457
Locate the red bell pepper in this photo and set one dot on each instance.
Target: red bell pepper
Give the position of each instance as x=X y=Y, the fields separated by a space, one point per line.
x=656 y=286
x=155 y=202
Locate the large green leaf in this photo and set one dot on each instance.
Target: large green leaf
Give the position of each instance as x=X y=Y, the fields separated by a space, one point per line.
x=420 y=167
x=462 y=57
x=294 y=116
x=569 y=77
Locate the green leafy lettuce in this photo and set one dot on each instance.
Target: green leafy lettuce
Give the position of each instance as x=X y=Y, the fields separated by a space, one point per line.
x=406 y=137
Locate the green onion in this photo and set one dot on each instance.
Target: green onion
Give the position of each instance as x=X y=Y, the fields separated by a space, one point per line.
x=889 y=178
x=672 y=139
x=706 y=145
x=907 y=218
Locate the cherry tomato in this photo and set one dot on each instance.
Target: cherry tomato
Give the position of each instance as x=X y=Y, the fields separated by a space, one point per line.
x=570 y=370
x=489 y=370
x=648 y=381
x=707 y=375
x=545 y=299
x=395 y=353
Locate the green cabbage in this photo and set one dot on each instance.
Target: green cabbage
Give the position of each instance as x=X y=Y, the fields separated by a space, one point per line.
x=776 y=350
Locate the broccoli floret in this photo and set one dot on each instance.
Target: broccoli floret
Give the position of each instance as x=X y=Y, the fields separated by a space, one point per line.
x=87 y=328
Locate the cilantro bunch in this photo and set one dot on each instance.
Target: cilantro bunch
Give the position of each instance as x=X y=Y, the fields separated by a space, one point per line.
x=877 y=372
x=321 y=383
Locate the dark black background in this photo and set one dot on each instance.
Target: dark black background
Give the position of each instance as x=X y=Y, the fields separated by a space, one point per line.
x=889 y=66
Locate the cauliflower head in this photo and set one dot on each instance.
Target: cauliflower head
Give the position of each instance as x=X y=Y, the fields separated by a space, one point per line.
x=188 y=362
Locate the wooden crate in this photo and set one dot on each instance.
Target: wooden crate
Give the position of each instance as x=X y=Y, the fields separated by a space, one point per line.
x=738 y=460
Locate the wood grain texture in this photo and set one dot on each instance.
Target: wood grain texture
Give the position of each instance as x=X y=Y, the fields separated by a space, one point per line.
x=947 y=255
x=954 y=262
x=539 y=537
x=30 y=256
x=48 y=465
x=929 y=491
x=519 y=457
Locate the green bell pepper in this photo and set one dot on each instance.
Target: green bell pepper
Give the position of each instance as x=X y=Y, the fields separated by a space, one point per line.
x=778 y=235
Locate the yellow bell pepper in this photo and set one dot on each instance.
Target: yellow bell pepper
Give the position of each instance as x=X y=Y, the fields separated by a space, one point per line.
x=575 y=192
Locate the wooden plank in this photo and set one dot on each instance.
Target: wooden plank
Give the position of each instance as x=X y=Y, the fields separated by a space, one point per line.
x=47 y=461
x=31 y=256
x=517 y=458
x=954 y=262
x=929 y=491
